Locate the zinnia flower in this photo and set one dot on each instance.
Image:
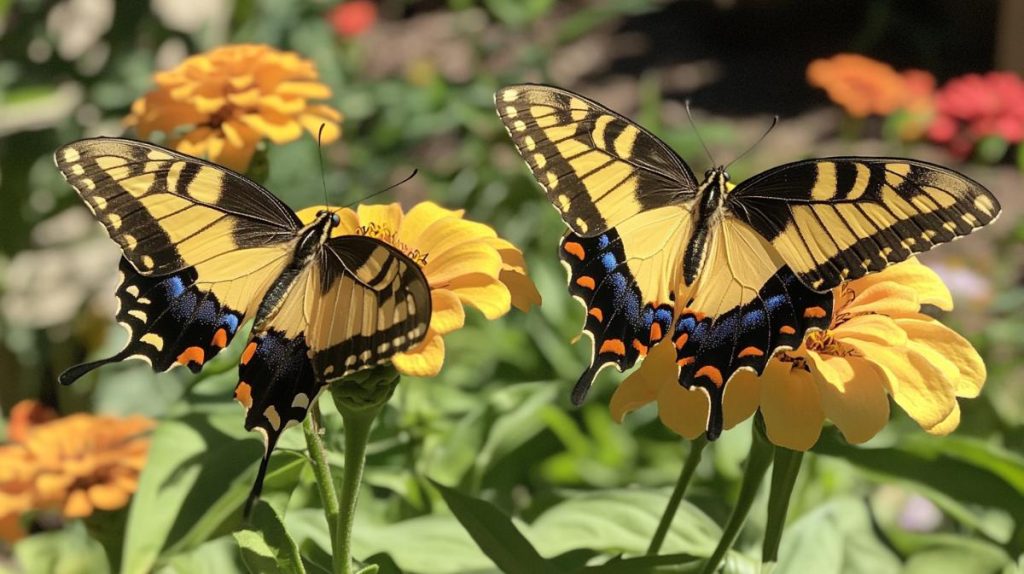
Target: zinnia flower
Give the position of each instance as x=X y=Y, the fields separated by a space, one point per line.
x=350 y=19
x=73 y=465
x=975 y=106
x=465 y=263
x=863 y=86
x=879 y=344
x=232 y=97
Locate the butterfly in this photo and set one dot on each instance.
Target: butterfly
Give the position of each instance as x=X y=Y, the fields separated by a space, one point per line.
x=731 y=274
x=206 y=249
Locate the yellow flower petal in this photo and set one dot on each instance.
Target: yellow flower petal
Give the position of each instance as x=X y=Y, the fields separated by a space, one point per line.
x=852 y=395
x=278 y=127
x=387 y=216
x=471 y=258
x=490 y=296
x=927 y=285
x=742 y=397
x=887 y=298
x=791 y=405
x=524 y=293
x=683 y=411
x=948 y=424
x=425 y=360
x=107 y=497
x=971 y=372
x=450 y=233
x=447 y=313
x=877 y=328
x=310 y=90
x=641 y=386
x=419 y=218
x=918 y=386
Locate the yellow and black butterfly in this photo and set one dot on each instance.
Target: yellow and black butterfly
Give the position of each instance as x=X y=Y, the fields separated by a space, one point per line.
x=205 y=249
x=732 y=275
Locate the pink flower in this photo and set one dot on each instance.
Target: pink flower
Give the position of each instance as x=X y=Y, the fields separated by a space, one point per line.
x=350 y=19
x=975 y=106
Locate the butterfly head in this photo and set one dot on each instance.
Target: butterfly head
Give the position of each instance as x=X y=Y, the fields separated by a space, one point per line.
x=335 y=219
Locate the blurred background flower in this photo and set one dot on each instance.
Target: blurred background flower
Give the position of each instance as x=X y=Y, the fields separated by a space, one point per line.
x=229 y=99
x=73 y=465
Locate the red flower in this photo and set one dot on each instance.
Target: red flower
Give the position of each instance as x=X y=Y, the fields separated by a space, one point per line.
x=350 y=19
x=975 y=106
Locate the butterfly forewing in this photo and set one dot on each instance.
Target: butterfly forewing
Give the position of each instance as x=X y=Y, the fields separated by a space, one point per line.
x=597 y=168
x=838 y=219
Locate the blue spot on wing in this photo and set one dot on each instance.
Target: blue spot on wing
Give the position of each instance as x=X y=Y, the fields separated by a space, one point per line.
x=175 y=286
x=231 y=322
x=609 y=261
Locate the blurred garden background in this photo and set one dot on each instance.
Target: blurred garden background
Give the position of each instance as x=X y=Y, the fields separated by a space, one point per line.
x=414 y=83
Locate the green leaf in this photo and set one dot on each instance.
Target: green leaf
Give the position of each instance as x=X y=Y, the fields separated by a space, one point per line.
x=200 y=468
x=618 y=521
x=641 y=564
x=495 y=534
x=67 y=551
x=835 y=538
x=954 y=554
x=267 y=547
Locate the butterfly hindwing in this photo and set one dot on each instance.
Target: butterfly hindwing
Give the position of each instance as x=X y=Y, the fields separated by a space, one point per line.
x=597 y=167
x=374 y=302
x=170 y=321
x=838 y=219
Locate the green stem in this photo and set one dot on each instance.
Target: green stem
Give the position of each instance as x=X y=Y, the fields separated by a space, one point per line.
x=358 y=421
x=761 y=453
x=689 y=466
x=322 y=471
x=784 y=473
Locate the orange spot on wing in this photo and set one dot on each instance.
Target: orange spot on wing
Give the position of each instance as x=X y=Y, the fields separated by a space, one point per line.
x=249 y=351
x=586 y=282
x=787 y=330
x=243 y=394
x=220 y=338
x=751 y=352
x=192 y=354
x=597 y=313
x=656 y=333
x=814 y=312
x=642 y=348
x=613 y=346
x=576 y=249
x=684 y=361
x=681 y=341
x=711 y=373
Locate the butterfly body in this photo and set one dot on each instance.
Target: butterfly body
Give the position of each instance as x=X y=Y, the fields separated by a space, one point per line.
x=730 y=274
x=206 y=249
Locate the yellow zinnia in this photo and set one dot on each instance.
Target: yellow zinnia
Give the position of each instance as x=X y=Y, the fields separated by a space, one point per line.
x=879 y=344
x=230 y=98
x=465 y=263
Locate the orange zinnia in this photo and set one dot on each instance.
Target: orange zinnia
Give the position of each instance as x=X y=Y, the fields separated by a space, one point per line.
x=863 y=86
x=880 y=344
x=74 y=465
x=229 y=99
x=465 y=263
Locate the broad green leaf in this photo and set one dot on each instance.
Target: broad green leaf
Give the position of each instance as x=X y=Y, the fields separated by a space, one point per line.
x=835 y=538
x=217 y=556
x=200 y=468
x=642 y=564
x=267 y=547
x=495 y=534
x=67 y=551
x=621 y=521
x=954 y=554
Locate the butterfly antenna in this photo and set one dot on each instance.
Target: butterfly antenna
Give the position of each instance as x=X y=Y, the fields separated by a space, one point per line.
x=388 y=188
x=775 y=120
x=320 y=156
x=696 y=131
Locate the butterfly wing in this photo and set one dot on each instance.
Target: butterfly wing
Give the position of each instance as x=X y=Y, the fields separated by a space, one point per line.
x=838 y=219
x=597 y=167
x=353 y=308
x=201 y=244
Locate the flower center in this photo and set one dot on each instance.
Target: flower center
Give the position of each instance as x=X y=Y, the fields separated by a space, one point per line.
x=825 y=343
x=390 y=236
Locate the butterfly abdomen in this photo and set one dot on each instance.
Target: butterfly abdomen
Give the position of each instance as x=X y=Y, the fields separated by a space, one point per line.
x=708 y=213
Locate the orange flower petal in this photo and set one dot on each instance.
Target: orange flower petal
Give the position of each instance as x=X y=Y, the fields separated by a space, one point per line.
x=683 y=411
x=791 y=405
x=107 y=497
x=77 y=505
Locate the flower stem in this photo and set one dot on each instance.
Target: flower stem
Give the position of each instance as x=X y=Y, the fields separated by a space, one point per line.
x=760 y=458
x=357 y=433
x=322 y=471
x=784 y=473
x=689 y=466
